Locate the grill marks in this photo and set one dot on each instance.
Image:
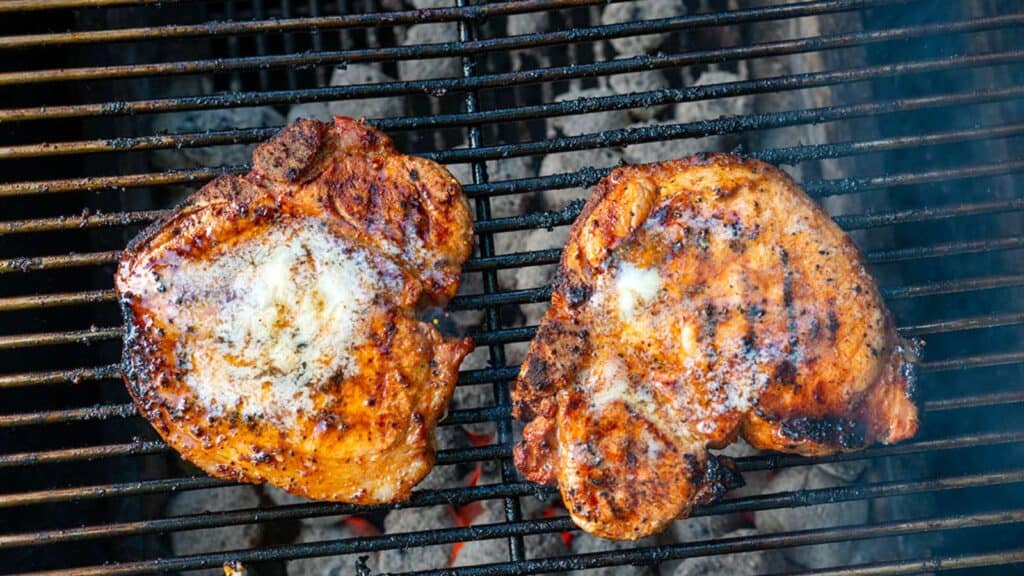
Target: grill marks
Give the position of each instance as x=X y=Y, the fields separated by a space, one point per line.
x=793 y=340
x=742 y=336
x=709 y=326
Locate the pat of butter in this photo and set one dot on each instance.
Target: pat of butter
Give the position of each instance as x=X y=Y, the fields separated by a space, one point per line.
x=271 y=320
x=635 y=287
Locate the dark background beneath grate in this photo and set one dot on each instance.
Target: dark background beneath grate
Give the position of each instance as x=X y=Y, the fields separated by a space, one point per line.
x=969 y=264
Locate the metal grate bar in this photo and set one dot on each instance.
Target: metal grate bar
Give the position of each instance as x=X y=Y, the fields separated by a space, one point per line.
x=73 y=376
x=51 y=300
x=944 y=249
x=562 y=563
x=552 y=255
x=73 y=260
x=975 y=361
x=98 y=412
x=128 y=410
x=90 y=183
x=975 y=401
x=958 y=324
x=135 y=448
x=78 y=493
x=78 y=222
x=501 y=80
x=773 y=461
x=940 y=564
x=927 y=213
x=816 y=188
x=485 y=245
x=581 y=178
x=526 y=333
x=796 y=154
x=13 y=6
x=147 y=447
x=670 y=96
x=149 y=34
x=86 y=337
x=500 y=451
x=420 y=51
x=727 y=125
x=454 y=496
x=730 y=545
x=953 y=286
x=465 y=495
x=628 y=136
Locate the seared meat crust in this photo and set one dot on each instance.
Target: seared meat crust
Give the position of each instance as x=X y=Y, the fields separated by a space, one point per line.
x=272 y=331
x=697 y=301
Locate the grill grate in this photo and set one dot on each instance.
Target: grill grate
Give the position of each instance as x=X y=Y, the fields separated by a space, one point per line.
x=905 y=113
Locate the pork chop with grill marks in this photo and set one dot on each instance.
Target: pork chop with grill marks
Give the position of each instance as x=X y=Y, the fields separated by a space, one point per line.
x=271 y=319
x=697 y=301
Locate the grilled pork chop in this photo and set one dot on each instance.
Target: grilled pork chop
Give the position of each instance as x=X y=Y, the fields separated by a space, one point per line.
x=697 y=301
x=272 y=330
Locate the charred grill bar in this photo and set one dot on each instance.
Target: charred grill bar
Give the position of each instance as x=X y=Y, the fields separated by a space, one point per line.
x=903 y=117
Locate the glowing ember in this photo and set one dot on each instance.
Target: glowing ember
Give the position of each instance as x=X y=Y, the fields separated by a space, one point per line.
x=360 y=526
x=551 y=512
x=478 y=439
x=464 y=515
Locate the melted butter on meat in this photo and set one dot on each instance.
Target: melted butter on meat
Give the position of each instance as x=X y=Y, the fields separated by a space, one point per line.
x=635 y=287
x=283 y=314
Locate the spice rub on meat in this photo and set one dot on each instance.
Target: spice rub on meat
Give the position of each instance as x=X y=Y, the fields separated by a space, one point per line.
x=271 y=319
x=698 y=301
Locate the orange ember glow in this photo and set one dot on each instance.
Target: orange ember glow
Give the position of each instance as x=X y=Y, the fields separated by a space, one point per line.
x=464 y=515
x=360 y=526
x=478 y=440
x=550 y=512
